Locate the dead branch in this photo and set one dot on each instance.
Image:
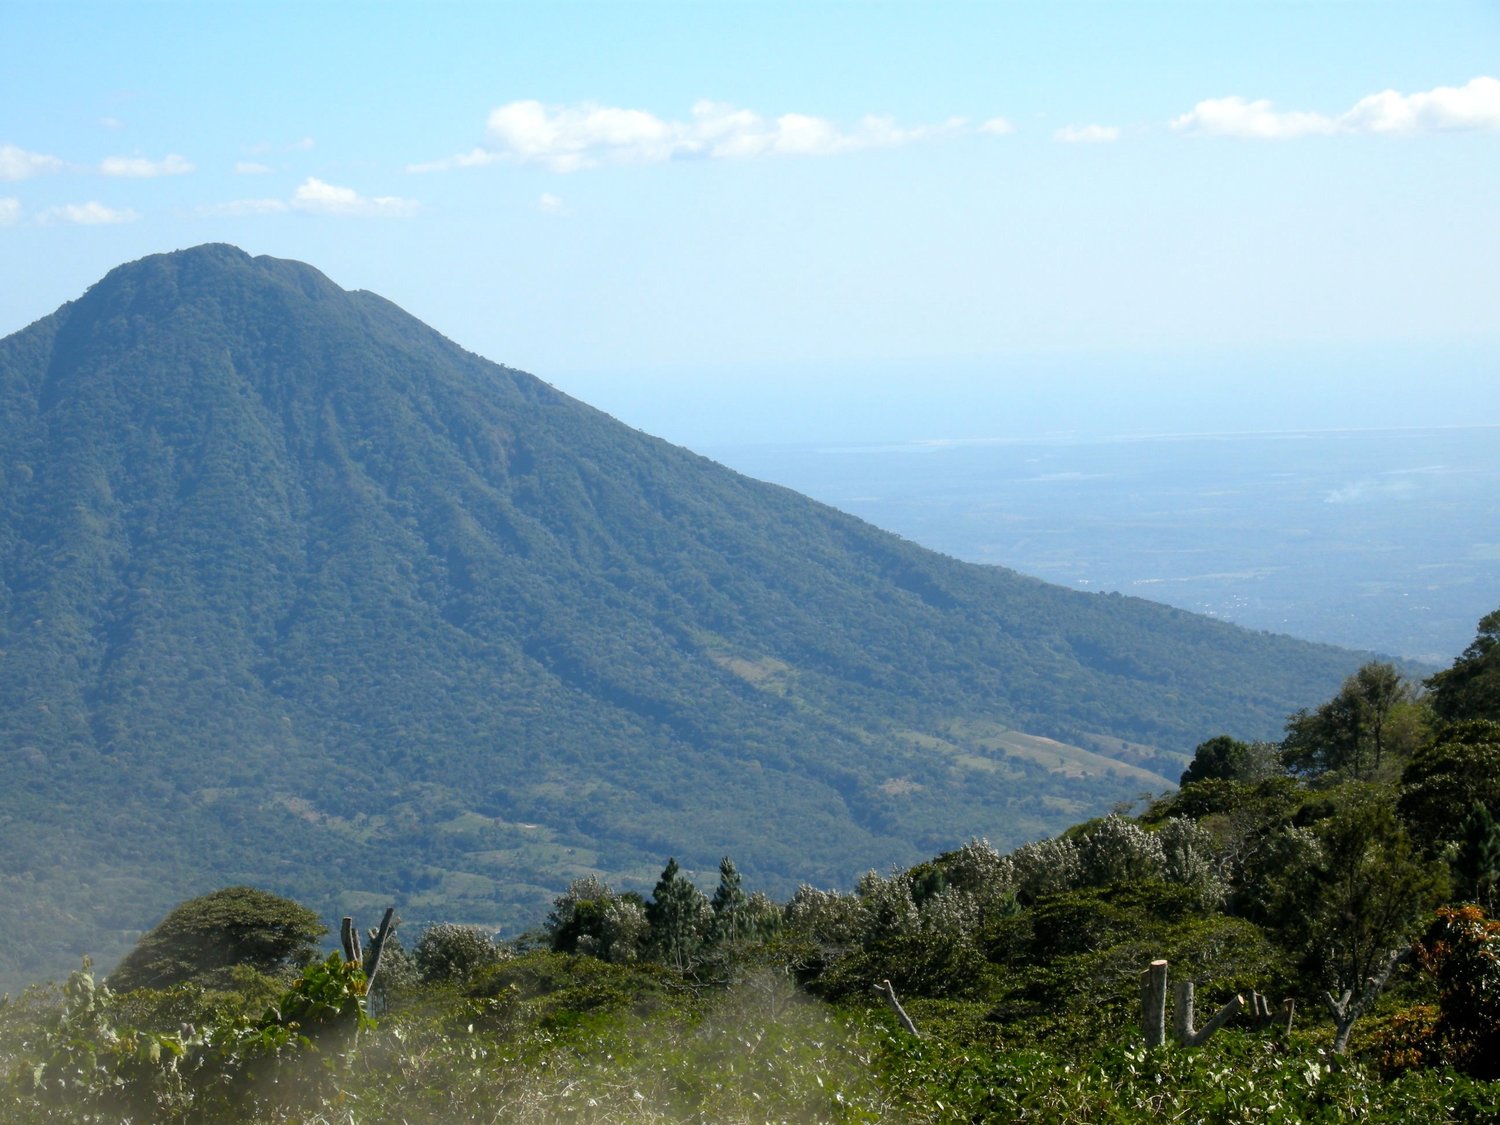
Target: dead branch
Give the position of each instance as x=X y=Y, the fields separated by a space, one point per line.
x=885 y=989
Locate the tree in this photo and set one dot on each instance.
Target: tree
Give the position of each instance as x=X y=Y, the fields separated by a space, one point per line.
x=454 y=953
x=1355 y=729
x=1117 y=850
x=1224 y=758
x=202 y=938
x=590 y=918
x=1462 y=950
x=1471 y=688
x=678 y=914
x=578 y=915
x=1363 y=891
x=1190 y=858
x=1476 y=864
x=1447 y=777
x=731 y=922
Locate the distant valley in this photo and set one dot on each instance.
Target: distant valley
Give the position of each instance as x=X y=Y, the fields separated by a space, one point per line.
x=1375 y=539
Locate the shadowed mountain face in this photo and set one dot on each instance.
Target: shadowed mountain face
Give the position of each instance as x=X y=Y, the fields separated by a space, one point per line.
x=296 y=592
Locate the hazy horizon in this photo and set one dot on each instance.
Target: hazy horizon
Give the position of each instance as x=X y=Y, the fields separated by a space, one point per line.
x=1375 y=539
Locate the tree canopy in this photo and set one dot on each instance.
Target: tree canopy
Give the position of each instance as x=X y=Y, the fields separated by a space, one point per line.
x=1470 y=689
x=205 y=936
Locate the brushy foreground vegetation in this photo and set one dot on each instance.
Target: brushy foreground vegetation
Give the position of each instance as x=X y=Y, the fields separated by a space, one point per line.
x=1353 y=868
x=620 y=1050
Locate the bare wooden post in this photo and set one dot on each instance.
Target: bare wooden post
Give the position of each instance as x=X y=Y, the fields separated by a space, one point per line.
x=349 y=935
x=1260 y=1009
x=1262 y=1015
x=1154 y=1004
x=1182 y=1017
x=886 y=990
x=1182 y=1010
x=377 y=943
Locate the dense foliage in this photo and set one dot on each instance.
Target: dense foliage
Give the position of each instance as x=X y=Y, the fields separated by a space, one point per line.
x=294 y=590
x=201 y=940
x=1324 y=881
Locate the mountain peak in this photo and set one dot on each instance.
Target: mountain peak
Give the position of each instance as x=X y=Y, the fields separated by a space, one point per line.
x=214 y=268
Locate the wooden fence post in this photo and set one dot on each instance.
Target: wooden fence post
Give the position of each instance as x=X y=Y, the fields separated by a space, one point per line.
x=1154 y=1004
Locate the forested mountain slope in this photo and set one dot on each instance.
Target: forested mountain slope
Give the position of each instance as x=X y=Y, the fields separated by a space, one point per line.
x=295 y=591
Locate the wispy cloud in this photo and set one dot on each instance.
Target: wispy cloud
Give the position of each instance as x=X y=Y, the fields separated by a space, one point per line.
x=569 y=138
x=1087 y=134
x=474 y=158
x=314 y=196
x=251 y=168
x=10 y=211
x=138 y=167
x=327 y=199
x=91 y=214
x=997 y=126
x=1475 y=105
x=18 y=164
x=549 y=204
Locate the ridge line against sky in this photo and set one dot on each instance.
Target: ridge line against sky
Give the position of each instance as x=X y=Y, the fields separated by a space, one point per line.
x=1232 y=211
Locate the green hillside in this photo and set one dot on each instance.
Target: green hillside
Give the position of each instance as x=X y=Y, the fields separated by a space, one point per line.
x=295 y=592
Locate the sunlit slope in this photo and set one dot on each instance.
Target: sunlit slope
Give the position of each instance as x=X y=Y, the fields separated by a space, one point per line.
x=296 y=592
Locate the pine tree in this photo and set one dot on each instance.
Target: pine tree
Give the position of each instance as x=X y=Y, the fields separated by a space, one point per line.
x=677 y=914
x=1476 y=867
x=732 y=922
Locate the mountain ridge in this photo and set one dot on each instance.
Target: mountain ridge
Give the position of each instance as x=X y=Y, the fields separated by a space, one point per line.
x=294 y=586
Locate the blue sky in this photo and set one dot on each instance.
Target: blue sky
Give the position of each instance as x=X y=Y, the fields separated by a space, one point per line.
x=751 y=222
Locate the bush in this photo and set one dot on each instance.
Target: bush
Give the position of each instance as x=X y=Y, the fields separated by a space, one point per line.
x=452 y=954
x=204 y=938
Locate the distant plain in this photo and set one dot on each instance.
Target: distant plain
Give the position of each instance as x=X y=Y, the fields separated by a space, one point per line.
x=1386 y=540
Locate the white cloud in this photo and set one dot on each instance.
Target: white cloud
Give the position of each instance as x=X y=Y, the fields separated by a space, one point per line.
x=474 y=158
x=317 y=197
x=304 y=145
x=567 y=138
x=10 y=211
x=250 y=168
x=1087 y=134
x=997 y=126
x=550 y=204
x=111 y=123
x=1475 y=105
x=1237 y=117
x=18 y=164
x=138 y=167
x=90 y=214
